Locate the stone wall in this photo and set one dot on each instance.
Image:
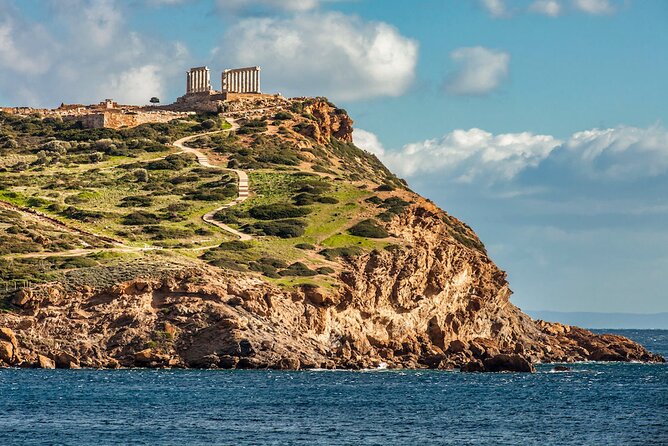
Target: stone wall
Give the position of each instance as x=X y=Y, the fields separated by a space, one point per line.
x=117 y=119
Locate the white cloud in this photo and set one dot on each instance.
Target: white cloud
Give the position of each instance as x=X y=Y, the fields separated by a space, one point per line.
x=14 y=37
x=594 y=6
x=550 y=8
x=100 y=22
x=166 y=2
x=136 y=84
x=621 y=153
x=330 y=54
x=467 y=156
x=479 y=70
x=85 y=53
x=473 y=155
x=496 y=8
x=284 y=5
x=368 y=141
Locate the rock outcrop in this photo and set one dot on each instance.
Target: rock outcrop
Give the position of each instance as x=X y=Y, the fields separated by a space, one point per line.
x=433 y=299
x=436 y=303
x=328 y=122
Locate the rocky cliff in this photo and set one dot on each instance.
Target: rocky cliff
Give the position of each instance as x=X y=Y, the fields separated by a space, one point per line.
x=431 y=298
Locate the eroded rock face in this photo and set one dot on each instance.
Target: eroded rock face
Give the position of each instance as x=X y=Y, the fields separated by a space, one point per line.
x=329 y=122
x=436 y=302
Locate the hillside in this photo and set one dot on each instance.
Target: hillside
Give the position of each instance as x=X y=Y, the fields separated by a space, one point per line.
x=142 y=247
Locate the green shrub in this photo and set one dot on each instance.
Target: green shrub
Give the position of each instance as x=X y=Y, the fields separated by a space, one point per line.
x=209 y=124
x=276 y=263
x=282 y=116
x=276 y=211
x=36 y=202
x=234 y=245
x=325 y=270
x=345 y=252
x=176 y=207
x=82 y=215
x=304 y=199
x=266 y=270
x=159 y=232
x=175 y=161
x=253 y=126
x=136 y=201
x=368 y=228
x=298 y=269
x=305 y=246
x=327 y=200
x=230 y=215
x=385 y=188
x=288 y=228
x=140 y=218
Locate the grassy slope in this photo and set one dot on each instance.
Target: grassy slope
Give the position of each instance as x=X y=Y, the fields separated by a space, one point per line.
x=47 y=178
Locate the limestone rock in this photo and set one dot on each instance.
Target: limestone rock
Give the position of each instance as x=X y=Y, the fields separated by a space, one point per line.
x=9 y=347
x=150 y=358
x=44 y=362
x=66 y=360
x=472 y=366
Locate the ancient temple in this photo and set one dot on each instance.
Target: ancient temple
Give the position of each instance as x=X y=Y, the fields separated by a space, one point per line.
x=241 y=80
x=198 y=80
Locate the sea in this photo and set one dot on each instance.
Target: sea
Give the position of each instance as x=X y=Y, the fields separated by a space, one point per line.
x=592 y=404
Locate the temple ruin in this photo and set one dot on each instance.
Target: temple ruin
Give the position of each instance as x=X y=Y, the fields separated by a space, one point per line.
x=241 y=80
x=198 y=80
x=240 y=93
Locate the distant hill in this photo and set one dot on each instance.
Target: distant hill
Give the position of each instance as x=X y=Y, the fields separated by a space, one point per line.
x=605 y=320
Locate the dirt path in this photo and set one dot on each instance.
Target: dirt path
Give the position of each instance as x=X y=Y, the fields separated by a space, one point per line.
x=119 y=246
x=243 y=185
x=46 y=219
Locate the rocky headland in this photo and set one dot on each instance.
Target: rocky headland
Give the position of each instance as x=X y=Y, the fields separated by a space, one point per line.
x=428 y=297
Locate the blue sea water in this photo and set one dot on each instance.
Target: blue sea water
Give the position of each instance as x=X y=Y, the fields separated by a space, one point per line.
x=594 y=404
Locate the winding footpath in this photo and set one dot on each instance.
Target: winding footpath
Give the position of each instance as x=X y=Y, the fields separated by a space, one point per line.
x=243 y=184
x=202 y=159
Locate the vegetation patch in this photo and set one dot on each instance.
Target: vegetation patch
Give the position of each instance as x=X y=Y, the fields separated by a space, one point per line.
x=288 y=228
x=138 y=218
x=368 y=228
x=298 y=269
x=345 y=252
x=276 y=211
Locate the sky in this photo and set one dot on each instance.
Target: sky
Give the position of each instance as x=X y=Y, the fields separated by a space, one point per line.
x=541 y=123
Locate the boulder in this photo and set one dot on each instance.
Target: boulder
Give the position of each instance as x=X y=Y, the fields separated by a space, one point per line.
x=24 y=296
x=508 y=363
x=606 y=354
x=65 y=360
x=113 y=364
x=561 y=368
x=150 y=358
x=228 y=362
x=472 y=366
x=289 y=363
x=6 y=353
x=456 y=346
x=6 y=334
x=9 y=347
x=44 y=362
